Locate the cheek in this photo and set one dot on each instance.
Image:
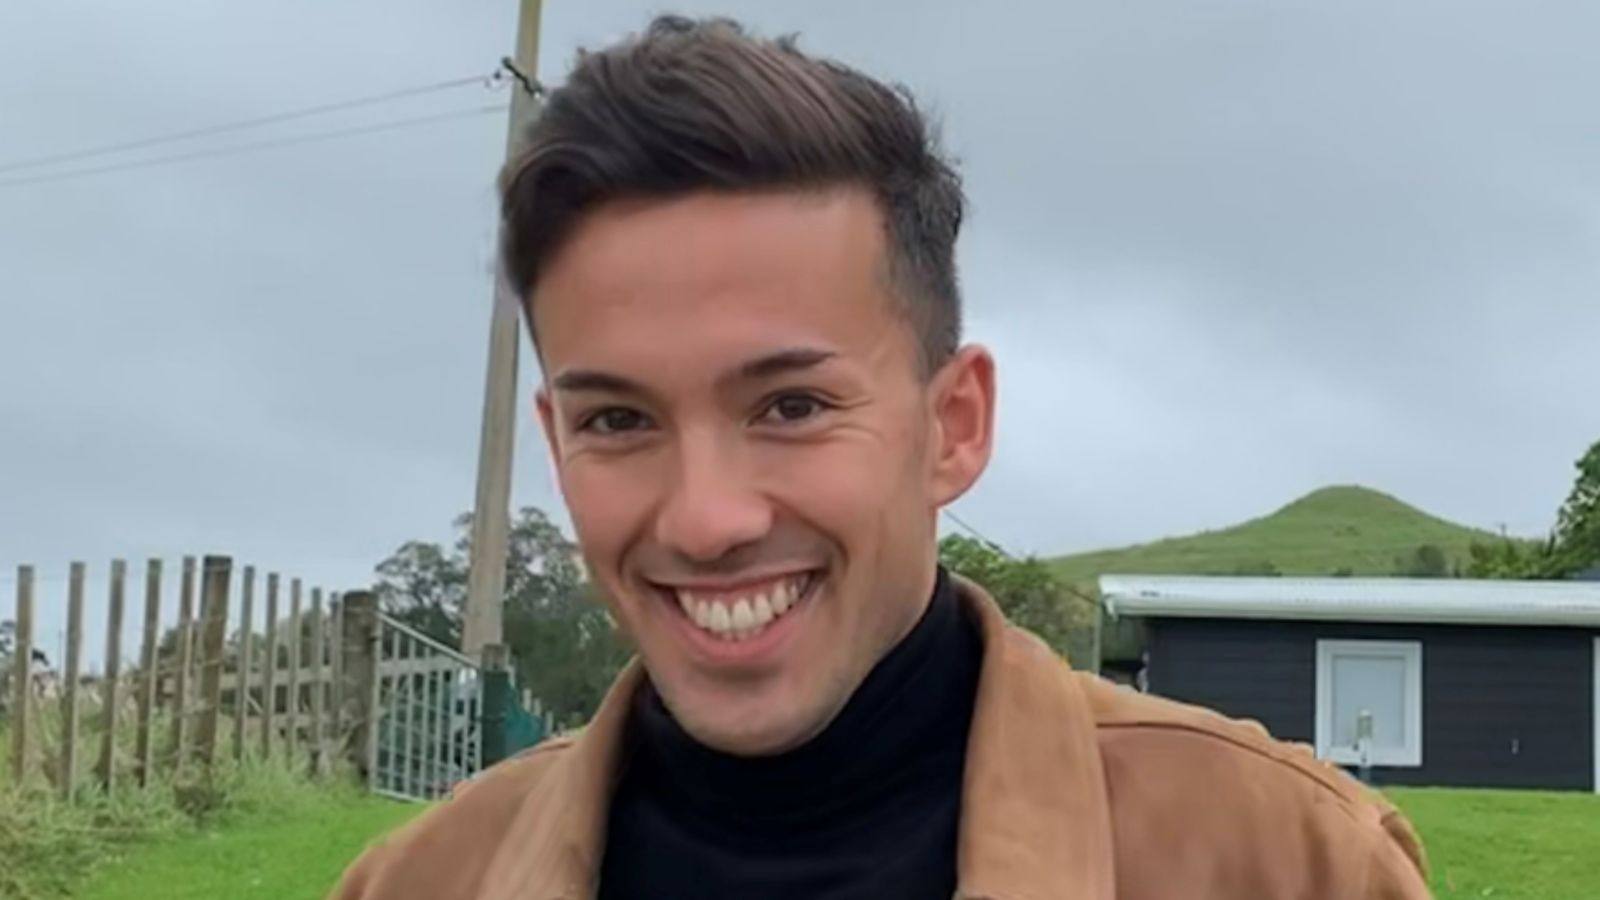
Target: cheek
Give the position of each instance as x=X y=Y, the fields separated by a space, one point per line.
x=847 y=486
x=605 y=506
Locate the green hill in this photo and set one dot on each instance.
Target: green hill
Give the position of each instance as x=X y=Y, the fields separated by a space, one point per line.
x=1347 y=528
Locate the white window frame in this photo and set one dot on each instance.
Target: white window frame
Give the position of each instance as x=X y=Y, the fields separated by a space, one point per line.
x=1410 y=652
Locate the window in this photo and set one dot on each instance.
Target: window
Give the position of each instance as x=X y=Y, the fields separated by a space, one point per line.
x=1383 y=678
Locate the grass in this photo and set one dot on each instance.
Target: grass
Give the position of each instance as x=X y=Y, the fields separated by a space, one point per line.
x=1349 y=528
x=1508 y=845
x=289 y=855
x=50 y=849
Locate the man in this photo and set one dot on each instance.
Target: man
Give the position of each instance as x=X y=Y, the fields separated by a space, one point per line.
x=738 y=266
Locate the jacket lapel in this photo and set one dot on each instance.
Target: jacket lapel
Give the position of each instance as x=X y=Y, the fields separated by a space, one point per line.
x=552 y=851
x=1036 y=821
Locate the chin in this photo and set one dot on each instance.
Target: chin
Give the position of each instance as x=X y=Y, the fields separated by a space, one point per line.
x=743 y=737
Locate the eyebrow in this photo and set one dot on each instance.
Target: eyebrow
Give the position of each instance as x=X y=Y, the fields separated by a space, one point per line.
x=783 y=362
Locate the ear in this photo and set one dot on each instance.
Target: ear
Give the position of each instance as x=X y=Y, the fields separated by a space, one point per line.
x=963 y=396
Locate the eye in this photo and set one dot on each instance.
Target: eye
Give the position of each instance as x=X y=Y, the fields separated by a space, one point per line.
x=788 y=409
x=613 y=420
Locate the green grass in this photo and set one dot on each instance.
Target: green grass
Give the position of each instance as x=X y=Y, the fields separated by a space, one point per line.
x=1334 y=528
x=294 y=855
x=1508 y=845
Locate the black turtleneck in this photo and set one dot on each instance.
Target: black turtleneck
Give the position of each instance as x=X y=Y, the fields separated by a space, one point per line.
x=867 y=809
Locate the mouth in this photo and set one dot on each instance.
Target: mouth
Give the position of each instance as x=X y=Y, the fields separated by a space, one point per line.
x=745 y=612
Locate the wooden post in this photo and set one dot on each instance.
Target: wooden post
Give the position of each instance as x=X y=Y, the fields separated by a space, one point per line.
x=149 y=670
x=180 y=690
x=319 y=688
x=291 y=733
x=218 y=577
x=336 y=673
x=241 y=690
x=360 y=635
x=269 y=683
x=22 y=684
x=69 y=696
x=113 y=673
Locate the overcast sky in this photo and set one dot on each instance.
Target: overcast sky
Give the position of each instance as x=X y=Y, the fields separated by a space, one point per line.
x=1225 y=252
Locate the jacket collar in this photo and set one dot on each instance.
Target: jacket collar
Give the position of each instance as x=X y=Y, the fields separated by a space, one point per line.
x=1035 y=822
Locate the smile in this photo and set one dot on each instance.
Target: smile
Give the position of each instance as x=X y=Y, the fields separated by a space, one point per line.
x=739 y=614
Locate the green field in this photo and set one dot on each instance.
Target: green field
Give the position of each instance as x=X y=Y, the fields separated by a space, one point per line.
x=292 y=856
x=1349 y=528
x=1508 y=845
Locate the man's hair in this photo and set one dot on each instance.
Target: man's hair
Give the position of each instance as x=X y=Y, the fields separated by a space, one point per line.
x=700 y=105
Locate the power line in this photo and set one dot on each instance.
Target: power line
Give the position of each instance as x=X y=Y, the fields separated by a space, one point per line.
x=978 y=534
x=243 y=124
x=236 y=149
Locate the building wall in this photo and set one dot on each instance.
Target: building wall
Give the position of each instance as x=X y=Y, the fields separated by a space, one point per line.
x=1501 y=707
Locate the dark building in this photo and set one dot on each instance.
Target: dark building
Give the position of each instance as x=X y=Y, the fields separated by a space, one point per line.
x=1464 y=683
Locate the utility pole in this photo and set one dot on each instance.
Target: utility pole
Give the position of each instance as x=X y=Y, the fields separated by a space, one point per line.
x=491 y=510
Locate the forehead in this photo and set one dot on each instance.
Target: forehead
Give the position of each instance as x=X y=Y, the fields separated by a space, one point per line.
x=699 y=279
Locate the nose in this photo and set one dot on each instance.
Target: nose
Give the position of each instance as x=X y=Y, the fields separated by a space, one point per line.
x=712 y=509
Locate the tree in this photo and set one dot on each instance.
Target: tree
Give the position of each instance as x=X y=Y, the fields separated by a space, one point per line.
x=1260 y=567
x=1508 y=558
x=1574 y=544
x=1576 y=540
x=1031 y=595
x=1426 y=561
x=566 y=647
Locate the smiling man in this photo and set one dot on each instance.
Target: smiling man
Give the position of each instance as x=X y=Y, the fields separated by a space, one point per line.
x=737 y=262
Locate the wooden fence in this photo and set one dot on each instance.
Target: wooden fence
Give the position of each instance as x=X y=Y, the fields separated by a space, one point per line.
x=301 y=687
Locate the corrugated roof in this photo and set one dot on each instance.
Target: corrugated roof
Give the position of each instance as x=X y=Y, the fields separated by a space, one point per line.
x=1440 y=600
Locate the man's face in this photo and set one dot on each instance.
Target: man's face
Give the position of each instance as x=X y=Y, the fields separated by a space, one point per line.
x=753 y=465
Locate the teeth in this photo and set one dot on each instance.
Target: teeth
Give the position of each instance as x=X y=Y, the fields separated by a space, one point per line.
x=745 y=617
x=761 y=609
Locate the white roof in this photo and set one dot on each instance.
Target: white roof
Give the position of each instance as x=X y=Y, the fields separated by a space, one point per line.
x=1433 y=600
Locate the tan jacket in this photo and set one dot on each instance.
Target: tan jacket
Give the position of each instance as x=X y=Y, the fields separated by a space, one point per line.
x=1076 y=789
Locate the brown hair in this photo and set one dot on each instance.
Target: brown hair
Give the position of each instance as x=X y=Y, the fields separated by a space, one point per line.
x=696 y=105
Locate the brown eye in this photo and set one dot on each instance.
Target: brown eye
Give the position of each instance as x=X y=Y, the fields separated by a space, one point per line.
x=614 y=420
x=793 y=408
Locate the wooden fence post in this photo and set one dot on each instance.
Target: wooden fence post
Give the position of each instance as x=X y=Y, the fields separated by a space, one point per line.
x=180 y=690
x=269 y=681
x=319 y=688
x=150 y=670
x=113 y=674
x=218 y=576
x=291 y=734
x=359 y=638
x=69 y=696
x=336 y=675
x=22 y=685
x=241 y=691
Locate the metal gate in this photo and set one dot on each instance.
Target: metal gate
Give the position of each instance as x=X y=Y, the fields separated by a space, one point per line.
x=426 y=718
